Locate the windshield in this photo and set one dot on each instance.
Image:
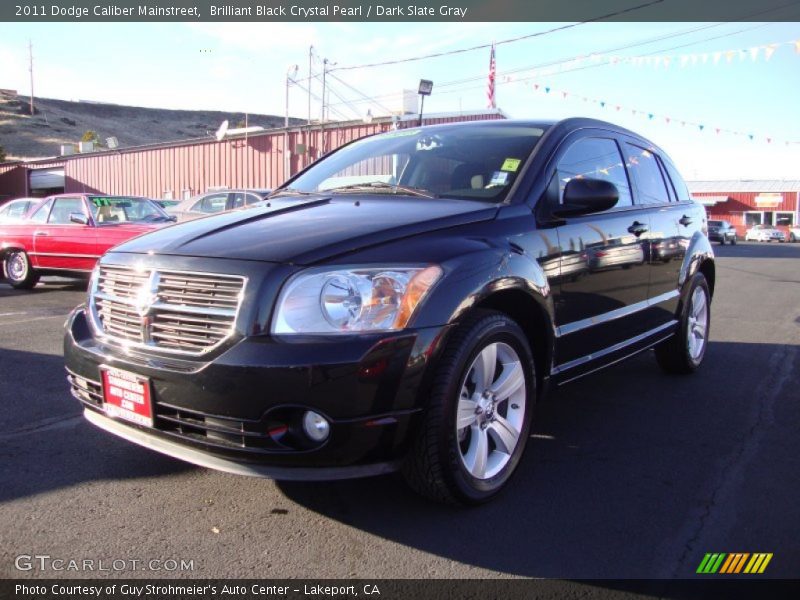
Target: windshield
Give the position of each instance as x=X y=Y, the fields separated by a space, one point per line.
x=474 y=162
x=118 y=209
x=715 y=223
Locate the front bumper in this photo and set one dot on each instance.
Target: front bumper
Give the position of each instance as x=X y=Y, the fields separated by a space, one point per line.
x=241 y=410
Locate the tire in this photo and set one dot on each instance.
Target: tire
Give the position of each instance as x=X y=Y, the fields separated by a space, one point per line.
x=733 y=241
x=792 y=238
x=18 y=270
x=469 y=466
x=683 y=353
x=722 y=241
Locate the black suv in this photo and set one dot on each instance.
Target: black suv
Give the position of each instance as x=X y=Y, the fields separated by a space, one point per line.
x=721 y=231
x=400 y=304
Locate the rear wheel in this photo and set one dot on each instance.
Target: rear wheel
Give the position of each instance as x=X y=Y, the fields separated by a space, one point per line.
x=684 y=352
x=792 y=238
x=733 y=241
x=18 y=270
x=479 y=415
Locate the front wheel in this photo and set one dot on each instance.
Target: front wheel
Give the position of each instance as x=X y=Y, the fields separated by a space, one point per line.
x=684 y=352
x=479 y=416
x=792 y=238
x=733 y=241
x=18 y=270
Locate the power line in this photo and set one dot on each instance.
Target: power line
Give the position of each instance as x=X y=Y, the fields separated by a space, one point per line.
x=506 y=41
x=458 y=83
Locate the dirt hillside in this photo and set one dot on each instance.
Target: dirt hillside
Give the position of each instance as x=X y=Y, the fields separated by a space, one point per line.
x=59 y=122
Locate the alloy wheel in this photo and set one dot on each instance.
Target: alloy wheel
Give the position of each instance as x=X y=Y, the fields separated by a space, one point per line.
x=491 y=409
x=697 y=324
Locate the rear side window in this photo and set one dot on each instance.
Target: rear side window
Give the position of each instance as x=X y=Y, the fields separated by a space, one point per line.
x=40 y=216
x=681 y=189
x=594 y=158
x=643 y=165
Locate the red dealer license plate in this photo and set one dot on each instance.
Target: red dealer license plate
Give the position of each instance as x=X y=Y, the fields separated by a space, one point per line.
x=127 y=396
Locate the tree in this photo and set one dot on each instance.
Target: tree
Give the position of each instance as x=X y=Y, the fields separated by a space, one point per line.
x=2 y=154
x=91 y=136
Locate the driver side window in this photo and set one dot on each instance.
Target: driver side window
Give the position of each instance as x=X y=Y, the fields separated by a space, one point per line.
x=594 y=158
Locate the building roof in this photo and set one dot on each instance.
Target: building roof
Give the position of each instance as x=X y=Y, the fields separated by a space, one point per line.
x=744 y=185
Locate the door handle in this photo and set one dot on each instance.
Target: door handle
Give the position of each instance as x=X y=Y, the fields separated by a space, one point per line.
x=637 y=228
x=42 y=233
x=685 y=221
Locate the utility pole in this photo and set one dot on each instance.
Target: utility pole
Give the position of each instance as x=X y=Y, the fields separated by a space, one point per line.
x=310 y=58
x=287 y=165
x=30 y=68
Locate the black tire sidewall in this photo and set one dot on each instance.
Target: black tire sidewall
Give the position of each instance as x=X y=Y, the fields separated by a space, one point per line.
x=487 y=331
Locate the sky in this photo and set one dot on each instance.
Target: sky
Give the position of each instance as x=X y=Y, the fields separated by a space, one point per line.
x=243 y=66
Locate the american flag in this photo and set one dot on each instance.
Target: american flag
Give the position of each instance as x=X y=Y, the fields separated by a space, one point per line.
x=490 y=86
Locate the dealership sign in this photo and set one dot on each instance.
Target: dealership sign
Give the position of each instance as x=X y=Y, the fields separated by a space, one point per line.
x=769 y=200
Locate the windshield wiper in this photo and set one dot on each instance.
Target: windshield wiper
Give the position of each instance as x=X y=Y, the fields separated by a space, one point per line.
x=382 y=185
x=290 y=192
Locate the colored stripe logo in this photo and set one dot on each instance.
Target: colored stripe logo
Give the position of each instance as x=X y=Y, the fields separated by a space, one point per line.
x=735 y=563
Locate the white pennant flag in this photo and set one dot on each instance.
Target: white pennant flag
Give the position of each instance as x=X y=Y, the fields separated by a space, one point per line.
x=705 y=58
x=769 y=51
x=754 y=53
x=717 y=56
x=684 y=60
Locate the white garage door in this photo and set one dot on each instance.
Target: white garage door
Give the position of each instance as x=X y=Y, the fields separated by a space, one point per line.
x=45 y=179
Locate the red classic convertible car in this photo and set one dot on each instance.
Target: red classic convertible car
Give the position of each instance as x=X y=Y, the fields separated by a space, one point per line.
x=66 y=234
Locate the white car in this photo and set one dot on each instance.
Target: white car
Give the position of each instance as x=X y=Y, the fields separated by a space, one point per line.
x=764 y=233
x=216 y=202
x=15 y=211
x=794 y=234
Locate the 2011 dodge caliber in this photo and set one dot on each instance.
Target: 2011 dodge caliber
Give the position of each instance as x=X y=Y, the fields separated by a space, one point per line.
x=400 y=304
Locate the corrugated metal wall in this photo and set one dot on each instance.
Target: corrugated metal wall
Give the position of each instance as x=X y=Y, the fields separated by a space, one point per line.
x=742 y=202
x=190 y=168
x=12 y=181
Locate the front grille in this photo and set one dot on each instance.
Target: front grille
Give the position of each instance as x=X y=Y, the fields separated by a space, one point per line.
x=175 y=311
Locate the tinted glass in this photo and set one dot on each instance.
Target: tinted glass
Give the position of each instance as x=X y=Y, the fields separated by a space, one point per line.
x=594 y=158
x=476 y=162
x=643 y=165
x=63 y=208
x=678 y=184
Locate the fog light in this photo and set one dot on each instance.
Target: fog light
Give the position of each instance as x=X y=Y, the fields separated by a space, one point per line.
x=316 y=426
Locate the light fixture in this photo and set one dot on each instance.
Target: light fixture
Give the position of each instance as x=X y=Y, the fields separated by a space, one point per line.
x=425 y=89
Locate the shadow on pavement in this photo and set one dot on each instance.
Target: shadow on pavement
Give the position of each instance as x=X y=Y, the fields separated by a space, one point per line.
x=46 y=445
x=617 y=471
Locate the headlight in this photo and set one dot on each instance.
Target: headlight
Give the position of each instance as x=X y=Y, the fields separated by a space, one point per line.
x=352 y=299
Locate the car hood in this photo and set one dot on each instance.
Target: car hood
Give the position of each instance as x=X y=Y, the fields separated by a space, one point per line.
x=308 y=230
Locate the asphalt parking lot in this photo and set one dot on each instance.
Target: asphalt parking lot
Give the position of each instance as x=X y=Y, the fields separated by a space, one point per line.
x=630 y=473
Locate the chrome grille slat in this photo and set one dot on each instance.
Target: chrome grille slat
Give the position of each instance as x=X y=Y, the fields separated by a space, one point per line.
x=184 y=312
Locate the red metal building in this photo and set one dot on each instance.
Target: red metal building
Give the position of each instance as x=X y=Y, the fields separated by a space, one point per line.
x=182 y=169
x=750 y=202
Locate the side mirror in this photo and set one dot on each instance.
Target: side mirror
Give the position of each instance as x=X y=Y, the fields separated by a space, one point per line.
x=79 y=218
x=587 y=196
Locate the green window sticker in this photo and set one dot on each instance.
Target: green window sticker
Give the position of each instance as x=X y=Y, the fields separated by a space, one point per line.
x=511 y=164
